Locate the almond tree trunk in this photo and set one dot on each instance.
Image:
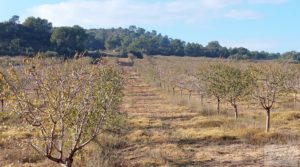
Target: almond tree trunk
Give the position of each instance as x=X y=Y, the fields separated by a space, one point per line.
x=190 y=96
x=268 y=120
x=69 y=162
x=295 y=100
x=236 y=111
x=181 y=93
x=219 y=101
x=2 y=105
x=233 y=103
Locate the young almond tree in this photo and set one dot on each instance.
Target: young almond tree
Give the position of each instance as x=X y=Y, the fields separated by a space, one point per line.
x=212 y=77
x=293 y=83
x=270 y=83
x=66 y=105
x=191 y=84
x=3 y=94
x=237 y=85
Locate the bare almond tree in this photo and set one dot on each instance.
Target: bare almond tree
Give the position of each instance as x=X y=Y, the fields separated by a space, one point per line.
x=293 y=83
x=3 y=94
x=67 y=105
x=269 y=85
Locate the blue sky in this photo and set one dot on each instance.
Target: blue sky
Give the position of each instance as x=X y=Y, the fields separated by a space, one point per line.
x=270 y=25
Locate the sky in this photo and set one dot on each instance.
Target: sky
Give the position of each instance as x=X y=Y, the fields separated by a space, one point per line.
x=263 y=25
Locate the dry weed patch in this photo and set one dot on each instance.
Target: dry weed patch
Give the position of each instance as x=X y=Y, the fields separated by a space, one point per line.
x=137 y=136
x=286 y=116
x=259 y=137
x=200 y=134
x=143 y=122
x=202 y=122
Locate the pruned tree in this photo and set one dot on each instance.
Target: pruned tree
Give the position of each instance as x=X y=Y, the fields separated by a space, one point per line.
x=3 y=93
x=172 y=78
x=191 y=85
x=270 y=83
x=66 y=105
x=237 y=84
x=293 y=82
x=212 y=77
x=180 y=83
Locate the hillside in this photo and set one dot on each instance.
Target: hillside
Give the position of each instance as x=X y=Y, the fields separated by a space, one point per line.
x=36 y=35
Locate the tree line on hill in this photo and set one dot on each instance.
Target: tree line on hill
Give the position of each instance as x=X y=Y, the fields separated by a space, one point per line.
x=36 y=35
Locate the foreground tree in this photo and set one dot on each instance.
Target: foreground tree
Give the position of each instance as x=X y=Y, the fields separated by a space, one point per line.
x=66 y=105
x=270 y=83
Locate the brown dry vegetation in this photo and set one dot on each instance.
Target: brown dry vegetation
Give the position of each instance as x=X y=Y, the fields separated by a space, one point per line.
x=166 y=130
x=170 y=130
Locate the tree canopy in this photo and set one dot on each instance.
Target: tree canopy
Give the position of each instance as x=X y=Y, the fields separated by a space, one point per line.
x=37 y=35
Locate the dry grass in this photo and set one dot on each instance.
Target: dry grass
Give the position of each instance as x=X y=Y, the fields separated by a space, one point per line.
x=166 y=130
x=14 y=133
x=137 y=136
x=286 y=116
x=159 y=137
x=101 y=152
x=144 y=122
x=23 y=156
x=259 y=137
x=202 y=122
x=14 y=151
x=171 y=151
x=193 y=135
x=173 y=131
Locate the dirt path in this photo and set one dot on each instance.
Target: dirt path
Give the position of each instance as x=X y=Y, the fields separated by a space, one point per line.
x=153 y=141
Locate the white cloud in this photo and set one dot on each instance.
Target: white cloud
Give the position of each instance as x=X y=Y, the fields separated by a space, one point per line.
x=253 y=44
x=267 y=1
x=108 y=13
x=112 y=13
x=242 y=14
